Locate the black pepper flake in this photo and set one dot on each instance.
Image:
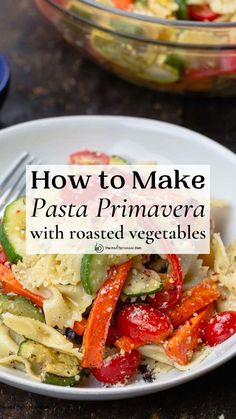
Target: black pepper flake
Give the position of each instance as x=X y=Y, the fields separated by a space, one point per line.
x=146 y=373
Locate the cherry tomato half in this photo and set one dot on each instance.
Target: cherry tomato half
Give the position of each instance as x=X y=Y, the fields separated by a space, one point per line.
x=202 y=73
x=228 y=62
x=170 y=294
x=220 y=328
x=123 y=4
x=165 y=299
x=143 y=323
x=202 y=13
x=118 y=368
x=89 y=157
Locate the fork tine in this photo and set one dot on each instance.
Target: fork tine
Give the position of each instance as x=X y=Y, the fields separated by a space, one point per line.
x=17 y=187
x=22 y=191
x=12 y=169
x=22 y=187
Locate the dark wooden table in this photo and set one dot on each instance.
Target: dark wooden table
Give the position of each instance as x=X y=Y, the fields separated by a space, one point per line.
x=49 y=78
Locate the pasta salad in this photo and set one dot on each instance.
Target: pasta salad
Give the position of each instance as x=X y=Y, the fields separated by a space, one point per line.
x=115 y=317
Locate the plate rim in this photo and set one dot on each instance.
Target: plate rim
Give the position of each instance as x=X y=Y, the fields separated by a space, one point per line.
x=107 y=393
x=164 y=124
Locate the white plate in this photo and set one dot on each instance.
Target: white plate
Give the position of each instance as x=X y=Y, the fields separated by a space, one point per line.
x=137 y=139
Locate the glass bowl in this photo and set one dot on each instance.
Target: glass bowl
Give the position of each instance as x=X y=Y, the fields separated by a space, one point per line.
x=172 y=56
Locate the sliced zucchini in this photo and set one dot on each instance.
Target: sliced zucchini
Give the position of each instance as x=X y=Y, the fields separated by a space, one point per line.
x=121 y=52
x=182 y=12
x=56 y=380
x=20 y=306
x=125 y=27
x=175 y=61
x=163 y=74
x=143 y=283
x=12 y=231
x=93 y=272
x=117 y=160
x=53 y=366
x=73 y=7
x=94 y=269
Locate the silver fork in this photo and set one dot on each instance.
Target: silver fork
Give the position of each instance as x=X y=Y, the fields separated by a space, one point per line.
x=13 y=183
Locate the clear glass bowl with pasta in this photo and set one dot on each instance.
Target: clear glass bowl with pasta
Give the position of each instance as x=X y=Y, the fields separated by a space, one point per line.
x=168 y=55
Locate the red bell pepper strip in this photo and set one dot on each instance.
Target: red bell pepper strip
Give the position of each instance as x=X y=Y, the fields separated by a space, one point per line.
x=99 y=320
x=202 y=13
x=10 y=284
x=80 y=326
x=170 y=294
x=202 y=73
x=181 y=345
x=127 y=344
x=193 y=300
